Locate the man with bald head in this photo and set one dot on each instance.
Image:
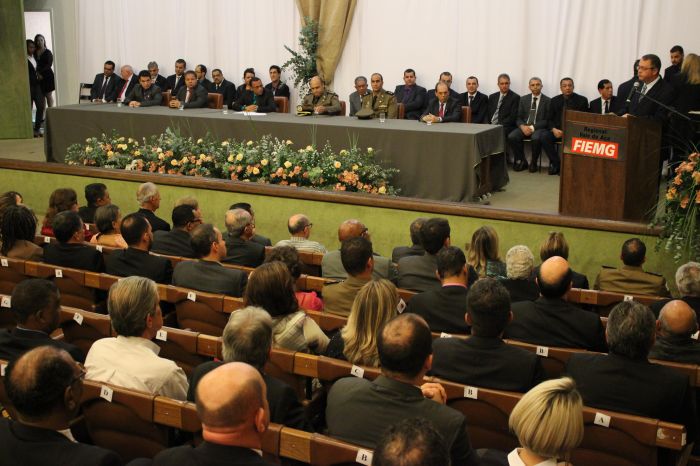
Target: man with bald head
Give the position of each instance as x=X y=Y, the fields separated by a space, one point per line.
x=232 y=405
x=332 y=266
x=45 y=386
x=674 y=334
x=299 y=227
x=320 y=100
x=359 y=410
x=126 y=84
x=550 y=320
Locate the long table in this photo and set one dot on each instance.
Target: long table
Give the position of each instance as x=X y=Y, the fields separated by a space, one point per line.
x=447 y=162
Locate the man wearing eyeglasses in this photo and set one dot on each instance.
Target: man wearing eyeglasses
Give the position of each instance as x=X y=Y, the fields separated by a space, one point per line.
x=299 y=227
x=651 y=86
x=177 y=241
x=240 y=228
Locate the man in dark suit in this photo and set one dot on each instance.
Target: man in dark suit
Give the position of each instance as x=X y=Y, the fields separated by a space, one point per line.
x=247 y=338
x=415 y=249
x=104 y=87
x=44 y=386
x=96 y=195
x=146 y=94
x=136 y=260
x=652 y=86
x=532 y=123
x=36 y=304
x=475 y=99
x=446 y=78
x=442 y=109
x=258 y=100
x=484 y=359
x=551 y=321
x=126 y=83
x=231 y=405
x=200 y=72
x=567 y=100
x=248 y=75
x=625 y=381
x=674 y=334
x=624 y=89
x=607 y=102
x=410 y=95
x=240 y=249
x=224 y=87
x=148 y=198
x=192 y=94
x=276 y=86
x=71 y=250
x=176 y=242
x=258 y=238
x=444 y=309
x=156 y=77
x=677 y=55
x=175 y=82
x=358 y=410
x=355 y=99
x=502 y=109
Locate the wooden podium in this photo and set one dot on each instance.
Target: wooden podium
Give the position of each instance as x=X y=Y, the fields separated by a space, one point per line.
x=609 y=167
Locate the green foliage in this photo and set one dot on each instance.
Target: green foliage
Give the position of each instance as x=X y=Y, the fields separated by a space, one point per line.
x=302 y=64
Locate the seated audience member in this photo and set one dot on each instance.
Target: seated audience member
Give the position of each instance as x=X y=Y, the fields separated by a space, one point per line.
x=332 y=266
x=222 y=86
x=484 y=359
x=520 y=285
x=359 y=410
x=445 y=78
x=374 y=306
x=200 y=71
x=104 y=87
x=443 y=309
x=276 y=86
x=355 y=98
x=556 y=245
x=258 y=99
x=442 y=108
x=126 y=84
x=411 y=95
x=45 y=387
x=148 y=198
x=411 y=442
x=248 y=338
x=248 y=75
x=674 y=334
x=17 y=231
x=156 y=77
x=135 y=259
x=145 y=94
x=416 y=248
x=475 y=99
x=108 y=220
x=191 y=95
x=258 y=238
x=319 y=100
x=232 y=406
x=548 y=422
x=61 y=200
x=271 y=287
x=483 y=253
x=624 y=89
x=299 y=227
x=240 y=250
x=36 y=304
x=688 y=284
x=550 y=320
x=131 y=359
x=8 y=199
x=290 y=257
x=176 y=242
x=96 y=195
x=175 y=82
x=625 y=381
x=607 y=102
x=207 y=274
x=379 y=100
x=531 y=122
x=192 y=202
x=356 y=255
x=70 y=251
x=631 y=277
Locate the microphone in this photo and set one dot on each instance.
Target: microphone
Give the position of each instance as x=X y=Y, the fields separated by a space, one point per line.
x=632 y=91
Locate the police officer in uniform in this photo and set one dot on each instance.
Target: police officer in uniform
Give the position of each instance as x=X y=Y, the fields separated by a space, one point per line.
x=380 y=100
x=319 y=100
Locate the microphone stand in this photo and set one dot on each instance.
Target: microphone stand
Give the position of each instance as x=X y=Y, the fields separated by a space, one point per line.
x=663 y=105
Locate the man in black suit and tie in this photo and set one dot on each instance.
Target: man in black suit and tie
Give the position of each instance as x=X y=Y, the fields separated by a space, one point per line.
x=567 y=100
x=276 y=86
x=677 y=55
x=653 y=86
x=192 y=94
x=176 y=81
x=127 y=82
x=484 y=359
x=355 y=99
x=156 y=77
x=442 y=109
x=148 y=197
x=177 y=242
x=416 y=248
x=71 y=250
x=223 y=86
x=532 y=123
x=201 y=72
x=104 y=87
x=550 y=320
x=45 y=386
x=241 y=250
x=258 y=99
x=607 y=102
x=410 y=95
x=502 y=106
x=623 y=90
x=146 y=94
x=475 y=99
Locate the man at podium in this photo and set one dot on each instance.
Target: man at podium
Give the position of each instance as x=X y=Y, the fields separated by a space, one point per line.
x=651 y=86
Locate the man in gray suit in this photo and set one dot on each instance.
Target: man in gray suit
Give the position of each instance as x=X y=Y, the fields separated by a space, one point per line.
x=355 y=98
x=532 y=123
x=192 y=94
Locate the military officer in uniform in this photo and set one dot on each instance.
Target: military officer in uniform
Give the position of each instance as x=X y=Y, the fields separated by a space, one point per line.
x=380 y=100
x=319 y=100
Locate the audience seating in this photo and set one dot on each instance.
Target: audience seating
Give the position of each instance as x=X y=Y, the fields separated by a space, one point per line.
x=282 y=104
x=605 y=300
x=70 y=282
x=84 y=92
x=215 y=100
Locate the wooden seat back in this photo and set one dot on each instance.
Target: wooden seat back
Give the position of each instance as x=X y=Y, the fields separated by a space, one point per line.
x=71 y=284
x=11 y=273
x=282 y=104
x=91 y=328
x=466 y=115
x=215 y=100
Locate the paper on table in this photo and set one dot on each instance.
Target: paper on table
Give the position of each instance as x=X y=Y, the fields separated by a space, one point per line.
x=251 y=113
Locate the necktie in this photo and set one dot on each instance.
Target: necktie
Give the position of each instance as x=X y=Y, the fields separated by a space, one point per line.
x=441 y=113
x=469 y=104
x=104 y=88
x=494 y=118
x=607 y=108
x=126 y=83
x=187 y=97
x=644 y=91
x=533 y=112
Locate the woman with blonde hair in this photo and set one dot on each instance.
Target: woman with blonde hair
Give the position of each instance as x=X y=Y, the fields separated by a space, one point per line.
x=687 y=89
x=374 y=306
x=483 y=253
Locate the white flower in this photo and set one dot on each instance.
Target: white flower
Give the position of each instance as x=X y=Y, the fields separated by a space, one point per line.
x=225 y=143
x=289 y=141
x=343 y=152
x=370 y=150
x=249 y=143
x=88 y=149
x=200 y=140
x=159 y=150
x=263 y=162
x=309 y=148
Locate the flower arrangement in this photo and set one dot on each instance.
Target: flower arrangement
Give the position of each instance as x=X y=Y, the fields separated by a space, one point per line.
x=269 y=160
x=680 y=220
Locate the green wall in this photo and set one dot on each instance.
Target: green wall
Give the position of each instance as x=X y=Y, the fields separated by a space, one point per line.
x=15 y=117
x=589 y=249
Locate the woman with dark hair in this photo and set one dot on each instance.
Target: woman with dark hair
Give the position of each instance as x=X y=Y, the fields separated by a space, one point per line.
x=290 y=257
x=61 y=199
x=108 y=219
x=271 y=287
x=37 y=97
x=44 y=70
x=9 y=199
x=17 y=230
